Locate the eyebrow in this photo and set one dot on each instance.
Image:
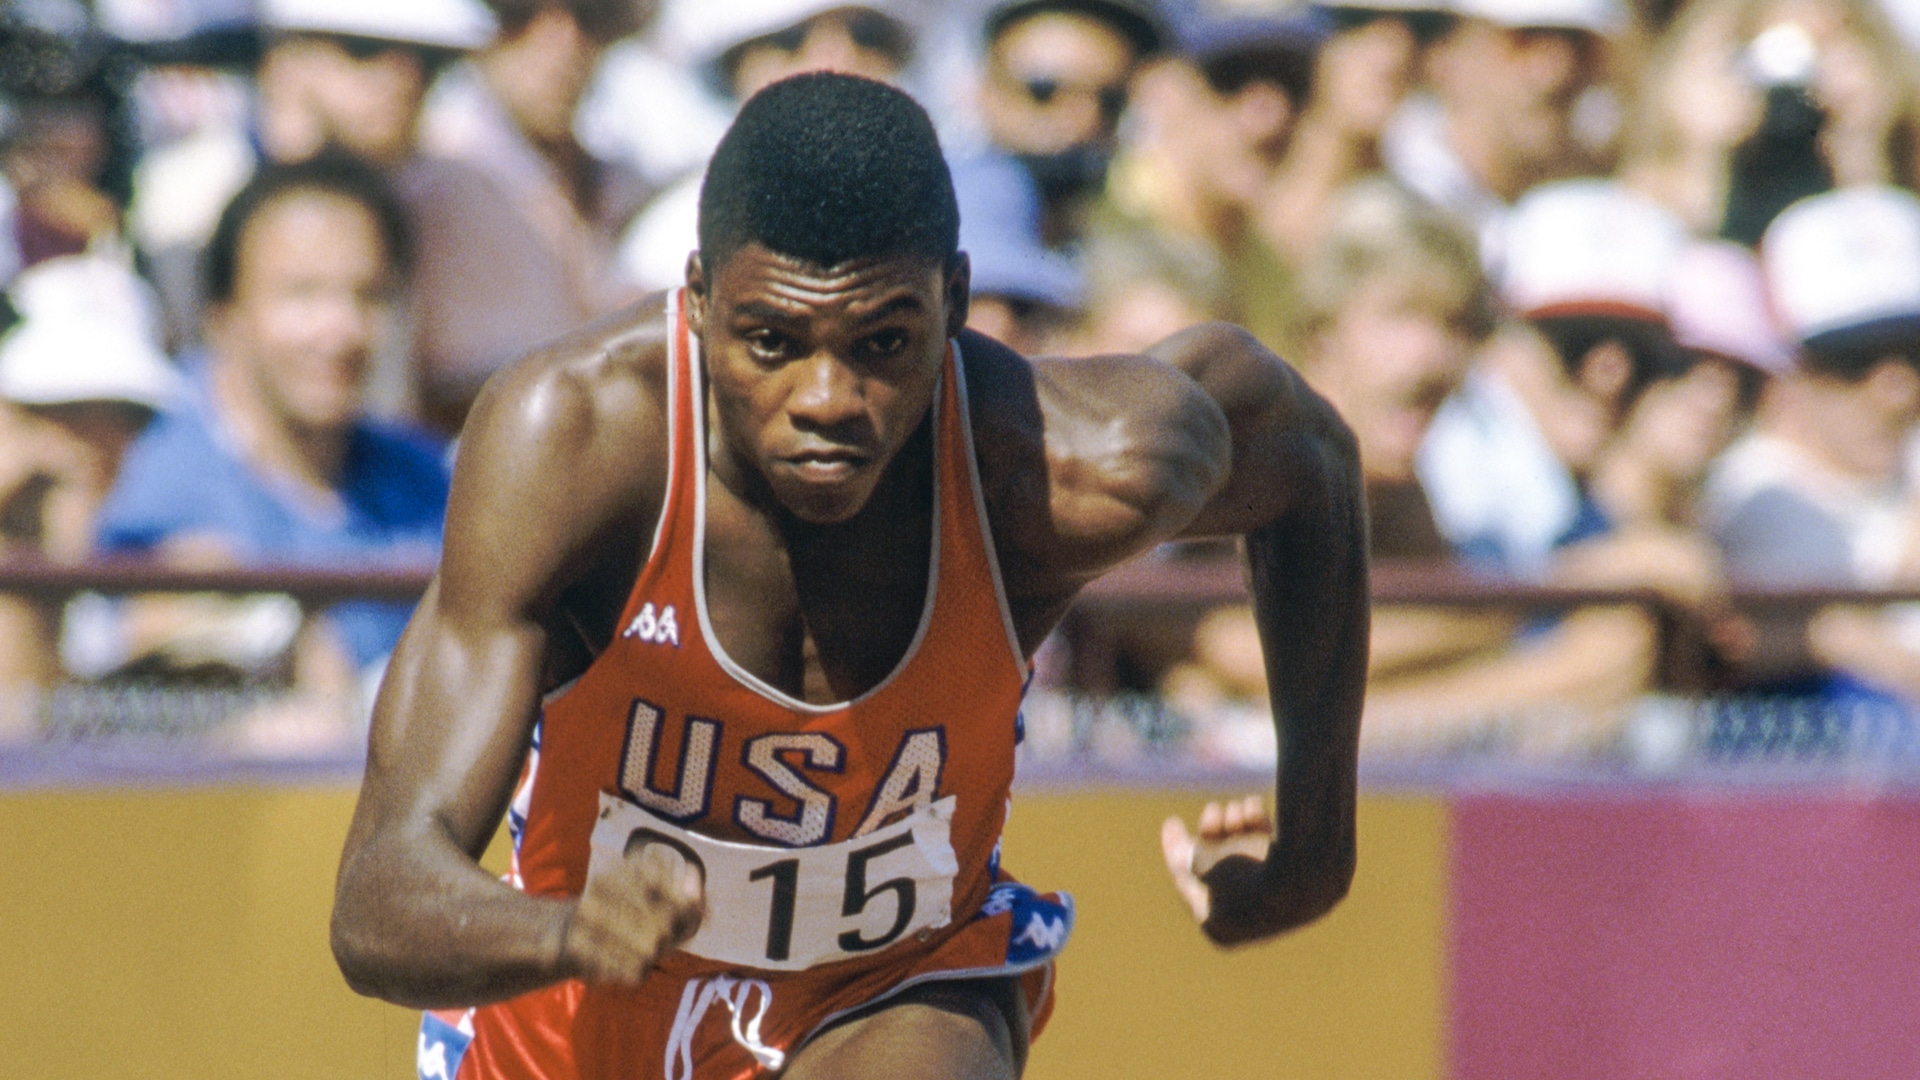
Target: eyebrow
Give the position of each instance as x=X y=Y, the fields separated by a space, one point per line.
x=764 y=312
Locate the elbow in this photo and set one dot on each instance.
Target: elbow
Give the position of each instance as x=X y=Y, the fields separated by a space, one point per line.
x=356 y=952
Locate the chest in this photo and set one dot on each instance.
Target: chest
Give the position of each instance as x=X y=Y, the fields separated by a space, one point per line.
x=820 y=615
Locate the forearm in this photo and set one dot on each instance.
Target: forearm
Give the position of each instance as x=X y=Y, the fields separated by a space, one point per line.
x=451 y=935
x=1309 y=584
x=417 y=920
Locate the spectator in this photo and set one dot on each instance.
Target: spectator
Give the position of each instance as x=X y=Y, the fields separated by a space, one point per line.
x=742 y=46
x=269 y=460
x=543 y=262
x=1507 y=460
x=1819 y=493
x=1747 y=105
x=1172 y=241
x=1023 y=294
x=336 y=76
x=1396 y=305
x=80 y=376
x=1506 y=82
x=1717 y=302
x=1372 y=58
x=64 y=136
x=1055 y=84
x=1510 y=461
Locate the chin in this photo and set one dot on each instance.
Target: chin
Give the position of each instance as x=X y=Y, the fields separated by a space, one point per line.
x=822 y=507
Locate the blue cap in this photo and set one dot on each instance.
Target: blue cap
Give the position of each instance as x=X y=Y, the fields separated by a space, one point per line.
x=1000 y=232
x=1206 y=31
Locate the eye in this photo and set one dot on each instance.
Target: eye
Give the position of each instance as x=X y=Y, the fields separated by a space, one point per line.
x=768 y=344
x=886 y=343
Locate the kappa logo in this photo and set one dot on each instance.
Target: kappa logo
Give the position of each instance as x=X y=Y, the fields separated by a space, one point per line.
x=660 y=627
x=1043 y=933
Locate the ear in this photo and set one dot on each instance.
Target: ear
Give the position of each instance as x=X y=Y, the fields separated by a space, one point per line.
x=696 y=293
x=959 y=294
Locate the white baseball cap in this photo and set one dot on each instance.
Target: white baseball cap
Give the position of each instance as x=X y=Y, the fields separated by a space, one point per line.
x=1844 y=259
x=1589 y=247
x=1717 y=302
x=86 y=334
x=1598 y=16
x=436 y=24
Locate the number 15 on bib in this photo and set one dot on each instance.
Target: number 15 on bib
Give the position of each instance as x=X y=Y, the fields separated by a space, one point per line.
x=787 y=909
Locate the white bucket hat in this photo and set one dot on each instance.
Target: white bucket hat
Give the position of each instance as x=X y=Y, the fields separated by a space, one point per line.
x=437 y=24
x=703 y=31
x=86 y=334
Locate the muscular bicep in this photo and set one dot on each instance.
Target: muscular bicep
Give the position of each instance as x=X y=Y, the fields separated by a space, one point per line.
x=1127 y=452
x=532 y=503
x=1285 y=438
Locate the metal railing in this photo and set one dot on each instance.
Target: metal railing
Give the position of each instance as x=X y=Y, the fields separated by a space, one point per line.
x=88 y=730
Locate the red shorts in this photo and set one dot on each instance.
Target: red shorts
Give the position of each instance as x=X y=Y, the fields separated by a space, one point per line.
x=688 y=1021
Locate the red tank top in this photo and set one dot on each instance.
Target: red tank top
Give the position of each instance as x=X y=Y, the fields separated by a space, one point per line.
x=663 y=720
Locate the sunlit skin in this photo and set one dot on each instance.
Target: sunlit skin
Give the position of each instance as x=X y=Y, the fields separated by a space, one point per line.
x=1387 y=361
x=820 y=375
x=1362 y=74
x=817 y=528
x=293 y=344
x=370 y=106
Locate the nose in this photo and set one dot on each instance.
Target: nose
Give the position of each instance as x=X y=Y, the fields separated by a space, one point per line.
x=825 y=395
x=829 y=47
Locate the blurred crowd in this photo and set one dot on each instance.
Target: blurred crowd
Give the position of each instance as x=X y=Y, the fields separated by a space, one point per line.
x=1616 y=295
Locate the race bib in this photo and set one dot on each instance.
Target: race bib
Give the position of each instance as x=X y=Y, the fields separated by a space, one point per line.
x=787 y=909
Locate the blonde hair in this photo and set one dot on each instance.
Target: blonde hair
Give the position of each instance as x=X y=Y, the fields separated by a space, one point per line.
x=1654 y=137
x=1378 y=229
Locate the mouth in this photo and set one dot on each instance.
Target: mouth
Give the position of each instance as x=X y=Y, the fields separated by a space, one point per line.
x=824 y=466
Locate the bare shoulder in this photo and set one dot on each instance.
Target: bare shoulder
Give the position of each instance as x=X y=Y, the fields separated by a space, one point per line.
x=1087 y=462
x=563 y=452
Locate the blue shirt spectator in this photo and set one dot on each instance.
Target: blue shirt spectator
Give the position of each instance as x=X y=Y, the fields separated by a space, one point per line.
x=185 y=477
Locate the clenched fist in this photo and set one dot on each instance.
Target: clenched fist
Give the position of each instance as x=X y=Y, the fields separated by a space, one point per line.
x=632 y=910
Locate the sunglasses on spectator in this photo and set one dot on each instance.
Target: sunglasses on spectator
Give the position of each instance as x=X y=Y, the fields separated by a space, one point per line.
x=868 y=30
x=1043 y=92
x=1427 y=27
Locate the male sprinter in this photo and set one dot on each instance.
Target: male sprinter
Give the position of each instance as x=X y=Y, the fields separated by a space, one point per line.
x=733 y=621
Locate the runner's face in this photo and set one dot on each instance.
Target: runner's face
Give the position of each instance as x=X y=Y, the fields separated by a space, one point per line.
x=820 y=375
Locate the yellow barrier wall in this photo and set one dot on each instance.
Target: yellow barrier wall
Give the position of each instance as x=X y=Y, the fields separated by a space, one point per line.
x=181 y=935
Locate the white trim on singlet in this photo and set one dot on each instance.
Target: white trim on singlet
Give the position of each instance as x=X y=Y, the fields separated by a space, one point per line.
x=695 y=368
x=980 y=511
x=674 y=305
x=676 y=315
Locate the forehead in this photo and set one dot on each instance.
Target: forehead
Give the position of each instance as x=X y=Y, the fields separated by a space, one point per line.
x=757 y=279
x=305 y=216
x=1063 y=41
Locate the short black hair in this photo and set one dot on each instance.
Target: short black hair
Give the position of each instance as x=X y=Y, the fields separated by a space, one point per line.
x=1852 y=352
x=1648 y=342
x=331 y=173
x=826 y=168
